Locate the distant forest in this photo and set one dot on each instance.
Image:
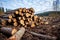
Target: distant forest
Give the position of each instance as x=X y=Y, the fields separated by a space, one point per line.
x=49 y=13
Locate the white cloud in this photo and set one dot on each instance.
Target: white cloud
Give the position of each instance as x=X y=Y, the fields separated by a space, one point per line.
x=38 y=5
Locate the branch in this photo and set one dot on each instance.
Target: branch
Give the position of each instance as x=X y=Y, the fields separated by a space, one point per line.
x=41 y=35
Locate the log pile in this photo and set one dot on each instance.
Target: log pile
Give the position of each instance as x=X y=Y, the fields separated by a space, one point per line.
x=22 y=17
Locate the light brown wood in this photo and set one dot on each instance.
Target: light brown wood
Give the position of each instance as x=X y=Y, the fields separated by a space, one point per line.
x=18 y=35
x=14 y=20
x=10 y=16
x=27 y=15
x=3 y=22
x=24 y=9
x=9 y=20
x=20 y=10
x=22 y=22
x=23 y=18
x=27 y=10
x=31 y=9
x=16 y=12
x=19 y=18
x=15 y=24
x=32 y=25
x=35 y=18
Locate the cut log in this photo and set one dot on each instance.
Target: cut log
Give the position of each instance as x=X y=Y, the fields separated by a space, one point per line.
x=33 y=25
x=21 y=14
x=10 y=16
x=18 y=35
x=8 y=31
x=3 y=22
x=19 y=18
x=24 y=10
x=14 y=20
x=27 y=11
x=15 y=24
x=27 y=15
x=20 y=10
x=31 y=9
x=16 y=12
x=9 y=20
x=22 y=22
x=35 y=18
x=46 y=22
x=23 y=18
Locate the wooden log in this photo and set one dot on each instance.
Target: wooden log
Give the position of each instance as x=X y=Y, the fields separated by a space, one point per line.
x=35 y=18
x=20 y=9
x=33 y=25
x=26 y=23
x=32 y=10
x=13 y=15
x=19 y=18
x=27 y=11
x=9 y=20
x=32 y=15
x=10 y=16
x=46 y=22
x=24 y=10
x=8 y=31
x=27 y=14
x=3 y=22
x=15 y=24
x=14 y=20
x=23 y=18
x=25 y=26
x=21 y=14
x=16 y=12
x=22 y=22
x=18 y=35
x=40 y=18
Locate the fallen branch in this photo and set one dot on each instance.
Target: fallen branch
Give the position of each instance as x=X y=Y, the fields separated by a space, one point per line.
x=18 y=35
x=41 y=35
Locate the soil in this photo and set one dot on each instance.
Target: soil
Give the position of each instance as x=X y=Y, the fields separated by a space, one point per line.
x=42 y=29
x=52 y=29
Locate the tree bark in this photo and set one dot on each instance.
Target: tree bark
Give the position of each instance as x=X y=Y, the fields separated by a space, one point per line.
x=18 y=35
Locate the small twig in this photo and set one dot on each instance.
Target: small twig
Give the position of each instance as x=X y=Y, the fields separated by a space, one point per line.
x=41 y=35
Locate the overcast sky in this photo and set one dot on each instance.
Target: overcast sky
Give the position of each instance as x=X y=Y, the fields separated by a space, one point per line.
x=38 y=5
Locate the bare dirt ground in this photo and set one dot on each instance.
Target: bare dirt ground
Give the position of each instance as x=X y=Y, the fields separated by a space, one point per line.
x=52 y=29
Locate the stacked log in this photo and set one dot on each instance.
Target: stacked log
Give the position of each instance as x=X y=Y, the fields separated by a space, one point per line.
x=23 y=17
